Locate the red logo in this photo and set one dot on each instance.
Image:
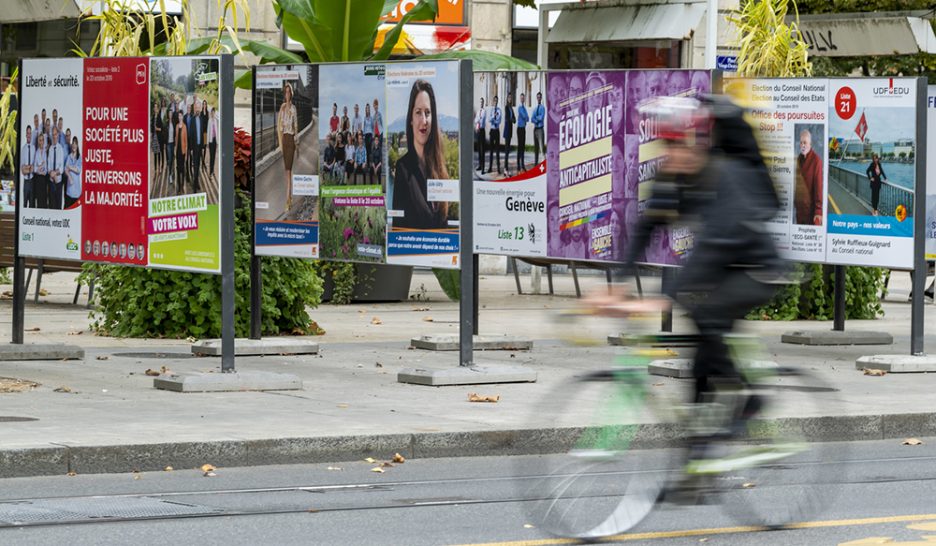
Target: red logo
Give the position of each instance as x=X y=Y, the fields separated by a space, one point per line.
x=845 y=103
x=141 y=74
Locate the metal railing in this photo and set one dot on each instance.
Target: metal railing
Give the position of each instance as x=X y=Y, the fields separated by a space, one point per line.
x=860 y=186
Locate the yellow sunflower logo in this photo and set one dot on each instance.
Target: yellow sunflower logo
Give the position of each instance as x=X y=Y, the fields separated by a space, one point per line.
x=901 y=213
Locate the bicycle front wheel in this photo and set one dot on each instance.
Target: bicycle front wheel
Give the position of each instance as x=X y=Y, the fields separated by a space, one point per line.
x=599 y=483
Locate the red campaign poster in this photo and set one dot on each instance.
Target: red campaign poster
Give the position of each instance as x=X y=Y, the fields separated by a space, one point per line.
x=115 y=160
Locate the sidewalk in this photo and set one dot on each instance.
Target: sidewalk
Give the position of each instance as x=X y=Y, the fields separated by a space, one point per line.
x=114 y=421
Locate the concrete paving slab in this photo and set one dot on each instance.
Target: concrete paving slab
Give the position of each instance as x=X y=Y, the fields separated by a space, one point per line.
x=833 y=337
x=681 y=368
x=228 y=382
x=898 y=363
x=450 y=342
x=40 y=351
x=258 y=347
x=479 y=374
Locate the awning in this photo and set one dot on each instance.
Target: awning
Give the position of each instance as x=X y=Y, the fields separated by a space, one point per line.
x=875 y=33
x=31 y=11
x=627 y=23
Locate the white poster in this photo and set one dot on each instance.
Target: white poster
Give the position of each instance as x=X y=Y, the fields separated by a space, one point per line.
x=50 y=161
x=931 y=174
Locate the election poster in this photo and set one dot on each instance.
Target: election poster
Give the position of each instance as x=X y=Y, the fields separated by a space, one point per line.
x=52 y=125
x=791 y=121
x=644 y=152
x=352 y=162
x=286 y=161
x=121 y=163
x=872 y=174
x=423 y=133
x=510 y=163
x=931 y=173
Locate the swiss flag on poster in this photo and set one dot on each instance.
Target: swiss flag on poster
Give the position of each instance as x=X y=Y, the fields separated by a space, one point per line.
x=862 y=128
x=116 y=160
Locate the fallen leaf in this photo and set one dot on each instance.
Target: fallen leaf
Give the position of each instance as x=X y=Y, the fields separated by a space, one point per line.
x=377 y=469
x=658 y=384
x=76 y=333
x=62 y=389
x=370 y=460
x=72 y=473
x=334 y=468
x=103 y=357
x=168 y=469
x=36 y=329
x=912 y=442
x=703 y=540
x=342 y=406
x=166 y=371
x=527 y=526
x=136 y=475
x=747 y=485
x=43 y=292
x=474 y=397
x=874 y=372
x=311 y=510
x=210 y=474
x=151 y=373
x=208 y=468
x=397 y=458
x=191 y=339
x=376 y=320
x=8 y=293
x=10 y=385
x=427 y=319
x=417 y=309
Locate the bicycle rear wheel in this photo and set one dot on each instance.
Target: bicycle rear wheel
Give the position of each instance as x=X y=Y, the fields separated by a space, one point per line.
x=599 y=484
x=771 y=475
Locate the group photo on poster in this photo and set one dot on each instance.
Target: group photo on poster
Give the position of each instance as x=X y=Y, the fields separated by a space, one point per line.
x=184 y=189
x=423 y=134
x=50 y=168
x=872 y=171
x=286 y=160
x=352 y=162
x=509 y=163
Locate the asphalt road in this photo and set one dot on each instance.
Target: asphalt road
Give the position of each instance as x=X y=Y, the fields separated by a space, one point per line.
x=887 y=498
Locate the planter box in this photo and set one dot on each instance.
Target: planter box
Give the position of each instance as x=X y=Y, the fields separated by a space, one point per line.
x=376 y=283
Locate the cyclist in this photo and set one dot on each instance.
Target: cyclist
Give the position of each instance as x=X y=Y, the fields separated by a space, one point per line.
x=715 y=181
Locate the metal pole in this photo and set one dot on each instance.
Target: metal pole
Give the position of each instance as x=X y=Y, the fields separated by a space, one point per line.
x=542 y=48
x=838 y=317
x=919 y=224
x=476 y=294
x=19 y=264
x=667 y=318
x=256 y=277
x=466 y=308
x=227 y=213
x=711 y=33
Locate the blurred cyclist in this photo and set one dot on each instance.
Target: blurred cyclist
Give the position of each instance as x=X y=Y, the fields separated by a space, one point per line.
x=715 y=181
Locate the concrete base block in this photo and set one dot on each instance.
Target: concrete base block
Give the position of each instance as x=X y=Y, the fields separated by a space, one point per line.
x=449 y=342
x=40 y=351
x=833 y=337
x=478 y=374
x=258 y=347
x=681 y=368
x=229 y=382
x=898 y=363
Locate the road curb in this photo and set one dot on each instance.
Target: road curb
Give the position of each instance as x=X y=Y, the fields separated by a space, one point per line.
x=60 y=459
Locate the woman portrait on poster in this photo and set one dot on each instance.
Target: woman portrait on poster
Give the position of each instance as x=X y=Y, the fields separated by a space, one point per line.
x=286 y=128
x=73 y=174
x=424 y=160
x=875 y=174
x=181 y=149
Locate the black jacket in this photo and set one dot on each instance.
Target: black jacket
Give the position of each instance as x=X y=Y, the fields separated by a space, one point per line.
x=410 y=195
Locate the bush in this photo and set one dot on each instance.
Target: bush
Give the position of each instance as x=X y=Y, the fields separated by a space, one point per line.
x=139 y=302
x=814 y=299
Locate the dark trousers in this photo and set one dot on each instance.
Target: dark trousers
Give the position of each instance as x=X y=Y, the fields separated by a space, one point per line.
x=875 y=195
x=41 y=191
x=213 y=151
x=521 y=149
x=29 y=198
x=508 y=135
x=170 y=157
x=494 y=146
x=479 y=136
x=715 y=315
x=56 y=194
x=368 y=142
x=539 y=143
x=196 y=167
x=69 y=201
x=181 y=169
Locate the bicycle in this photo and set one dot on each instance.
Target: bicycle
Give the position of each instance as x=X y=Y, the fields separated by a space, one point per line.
x=624 y=435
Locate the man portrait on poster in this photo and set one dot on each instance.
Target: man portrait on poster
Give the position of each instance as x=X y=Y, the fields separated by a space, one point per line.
x=807 y=197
